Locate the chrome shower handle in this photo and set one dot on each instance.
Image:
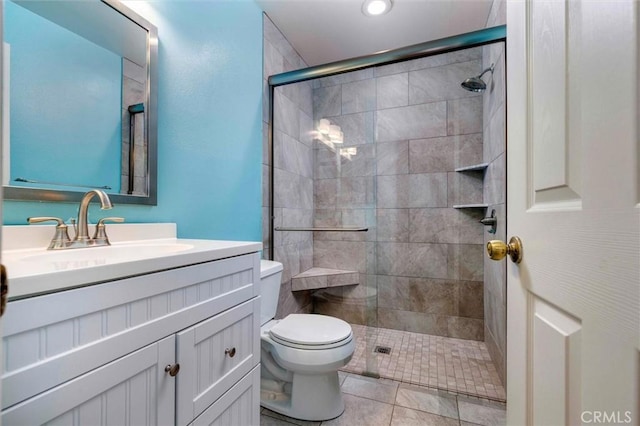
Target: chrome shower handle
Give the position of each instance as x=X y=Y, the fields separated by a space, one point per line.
x=488 y=221
x=491 y=221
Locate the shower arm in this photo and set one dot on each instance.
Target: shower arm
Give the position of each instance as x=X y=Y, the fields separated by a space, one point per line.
x=488 y=69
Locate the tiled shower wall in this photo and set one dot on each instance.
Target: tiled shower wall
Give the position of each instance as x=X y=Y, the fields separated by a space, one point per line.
x=494 y=111
x=293 y=169
x=407 y=127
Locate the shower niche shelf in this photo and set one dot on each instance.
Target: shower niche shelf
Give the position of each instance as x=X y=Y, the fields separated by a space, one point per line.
x=474 y=168
x=471 y=206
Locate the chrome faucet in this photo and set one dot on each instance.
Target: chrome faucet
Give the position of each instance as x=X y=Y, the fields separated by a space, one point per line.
x=61 y=239
x=82 y=234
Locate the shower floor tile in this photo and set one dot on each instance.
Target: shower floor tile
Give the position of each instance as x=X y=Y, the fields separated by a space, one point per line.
x=455 y=365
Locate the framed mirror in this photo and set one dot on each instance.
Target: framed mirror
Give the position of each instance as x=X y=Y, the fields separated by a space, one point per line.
x=80 y=100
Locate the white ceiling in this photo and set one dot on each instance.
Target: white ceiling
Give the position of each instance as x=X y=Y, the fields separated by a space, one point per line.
x=330 y=30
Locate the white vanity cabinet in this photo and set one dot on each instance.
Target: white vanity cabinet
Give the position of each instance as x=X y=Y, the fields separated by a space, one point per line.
x=96 y=355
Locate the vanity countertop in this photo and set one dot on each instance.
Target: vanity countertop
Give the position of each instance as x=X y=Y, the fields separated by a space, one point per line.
x=34 y=271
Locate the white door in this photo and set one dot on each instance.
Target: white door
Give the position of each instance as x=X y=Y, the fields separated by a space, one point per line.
x=3 y=122
x=573 y=328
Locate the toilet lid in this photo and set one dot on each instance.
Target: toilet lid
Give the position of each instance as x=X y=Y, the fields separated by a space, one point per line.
x=311 y=329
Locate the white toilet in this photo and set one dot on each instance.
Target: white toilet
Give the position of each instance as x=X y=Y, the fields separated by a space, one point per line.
x=300 y=356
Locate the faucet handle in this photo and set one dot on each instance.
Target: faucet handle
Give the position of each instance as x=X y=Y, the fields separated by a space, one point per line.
x=61 y=238
x=100 y=236
x=46 y=219
x=109 y=219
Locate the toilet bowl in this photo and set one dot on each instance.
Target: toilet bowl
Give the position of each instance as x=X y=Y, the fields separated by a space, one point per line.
x=300 y=356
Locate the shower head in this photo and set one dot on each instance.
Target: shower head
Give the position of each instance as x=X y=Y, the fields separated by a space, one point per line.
x=476 y=84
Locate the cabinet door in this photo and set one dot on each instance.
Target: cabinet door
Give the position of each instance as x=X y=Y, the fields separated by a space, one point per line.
x=214 y=355
x=132 y=390
x=240 y=406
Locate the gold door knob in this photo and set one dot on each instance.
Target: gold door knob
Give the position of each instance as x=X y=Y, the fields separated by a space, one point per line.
x=497 y=249
x=4 y=289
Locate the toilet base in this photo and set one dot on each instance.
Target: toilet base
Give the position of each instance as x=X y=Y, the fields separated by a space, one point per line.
x=316 y=397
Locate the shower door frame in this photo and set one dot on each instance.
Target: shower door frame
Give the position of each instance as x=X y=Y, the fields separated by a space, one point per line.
x=430 y=48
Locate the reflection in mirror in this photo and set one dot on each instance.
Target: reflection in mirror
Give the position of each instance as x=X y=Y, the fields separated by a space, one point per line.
x=79 y=103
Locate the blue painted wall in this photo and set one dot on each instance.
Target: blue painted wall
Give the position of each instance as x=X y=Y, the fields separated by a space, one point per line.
x=209 y=131
x=58 y=110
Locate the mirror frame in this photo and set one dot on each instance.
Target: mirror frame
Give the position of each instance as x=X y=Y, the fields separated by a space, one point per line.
x=49 y=195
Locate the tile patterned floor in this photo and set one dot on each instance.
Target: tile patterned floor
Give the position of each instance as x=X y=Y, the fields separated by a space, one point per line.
x=454 y=365
x=383 y=402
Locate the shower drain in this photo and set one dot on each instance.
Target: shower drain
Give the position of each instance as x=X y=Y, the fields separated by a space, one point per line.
x=382 y=350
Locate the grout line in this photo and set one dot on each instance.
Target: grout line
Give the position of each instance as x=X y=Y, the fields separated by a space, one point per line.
x=393 y=412
x=369 y=398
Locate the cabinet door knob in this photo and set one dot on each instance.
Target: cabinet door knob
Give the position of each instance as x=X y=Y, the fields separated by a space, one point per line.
x=172 y=369
x=231 y=352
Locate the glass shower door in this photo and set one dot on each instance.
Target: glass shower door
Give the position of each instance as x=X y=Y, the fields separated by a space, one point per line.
x=324 y=209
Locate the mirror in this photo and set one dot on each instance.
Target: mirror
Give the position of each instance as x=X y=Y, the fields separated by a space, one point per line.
x=79 y=101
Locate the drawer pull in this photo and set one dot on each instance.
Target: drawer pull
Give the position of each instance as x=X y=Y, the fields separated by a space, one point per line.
x=231 y=352
x=172 y=369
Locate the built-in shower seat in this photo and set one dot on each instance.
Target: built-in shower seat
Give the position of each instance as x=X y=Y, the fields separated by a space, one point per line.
x=316 y=278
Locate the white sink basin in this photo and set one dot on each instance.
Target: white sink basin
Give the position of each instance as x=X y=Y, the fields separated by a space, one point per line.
x=107 y=254
x=41 y=261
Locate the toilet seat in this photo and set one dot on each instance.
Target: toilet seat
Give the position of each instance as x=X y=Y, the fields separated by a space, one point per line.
x=310 y=331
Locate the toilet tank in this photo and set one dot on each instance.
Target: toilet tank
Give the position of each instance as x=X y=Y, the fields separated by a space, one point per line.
x=270 y=277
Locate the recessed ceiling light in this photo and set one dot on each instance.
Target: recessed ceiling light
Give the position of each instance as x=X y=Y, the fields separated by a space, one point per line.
x=376 y=7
